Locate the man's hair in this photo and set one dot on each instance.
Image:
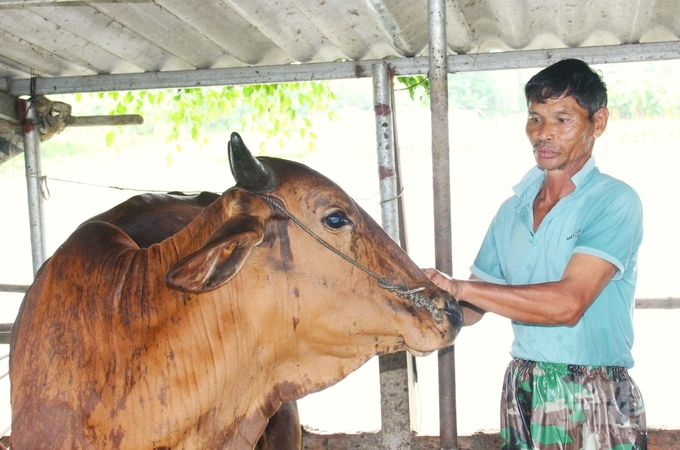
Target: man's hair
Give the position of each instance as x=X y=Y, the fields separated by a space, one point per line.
x=571 y=78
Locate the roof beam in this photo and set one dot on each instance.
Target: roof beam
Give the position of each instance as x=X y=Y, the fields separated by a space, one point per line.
x=8 y=110
x=339 y=70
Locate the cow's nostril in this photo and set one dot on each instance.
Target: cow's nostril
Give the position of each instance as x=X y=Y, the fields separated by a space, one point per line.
x=454 y=313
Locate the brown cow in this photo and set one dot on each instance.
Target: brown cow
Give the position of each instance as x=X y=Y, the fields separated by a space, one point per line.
x=194 y=342
x=151 y=218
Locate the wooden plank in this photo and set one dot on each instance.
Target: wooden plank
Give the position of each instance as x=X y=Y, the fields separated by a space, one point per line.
x=98 y=121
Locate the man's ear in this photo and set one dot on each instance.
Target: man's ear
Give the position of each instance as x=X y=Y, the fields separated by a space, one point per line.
x=600 y=119
x=220 y=258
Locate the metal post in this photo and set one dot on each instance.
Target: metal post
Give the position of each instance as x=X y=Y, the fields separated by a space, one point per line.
x=384 y=134
x=33 y=174
x=439 y=107
x=396 y=370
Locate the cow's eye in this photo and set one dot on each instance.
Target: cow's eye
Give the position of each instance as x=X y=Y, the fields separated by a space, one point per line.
x=337 y=220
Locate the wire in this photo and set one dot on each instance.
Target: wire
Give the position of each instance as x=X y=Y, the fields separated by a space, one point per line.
x=44 y=179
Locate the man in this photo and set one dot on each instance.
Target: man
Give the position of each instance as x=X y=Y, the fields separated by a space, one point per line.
x=560 y=261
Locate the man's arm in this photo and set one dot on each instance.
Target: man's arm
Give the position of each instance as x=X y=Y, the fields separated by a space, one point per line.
x=561 y=302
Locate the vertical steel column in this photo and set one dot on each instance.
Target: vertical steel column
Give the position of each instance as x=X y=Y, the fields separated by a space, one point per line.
x=439 y=109
x=384 y=134
x=33 y=174
x=396 y=370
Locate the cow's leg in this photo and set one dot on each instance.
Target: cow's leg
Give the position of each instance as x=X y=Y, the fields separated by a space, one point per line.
x=283 y=431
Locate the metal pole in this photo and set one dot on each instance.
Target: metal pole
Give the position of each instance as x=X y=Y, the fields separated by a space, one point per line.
x=384 y=135
x=396 y=370
x=439 y=108
x=16 y=288
x=33 y=174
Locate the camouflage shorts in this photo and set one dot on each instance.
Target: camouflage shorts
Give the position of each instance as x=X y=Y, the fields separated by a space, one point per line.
x=548 y=406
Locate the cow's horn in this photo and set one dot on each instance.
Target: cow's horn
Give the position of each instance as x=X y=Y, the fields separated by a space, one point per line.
x=247 y=170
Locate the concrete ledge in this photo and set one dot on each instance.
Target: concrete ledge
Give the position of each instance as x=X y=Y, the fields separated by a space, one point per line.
x=482 y=440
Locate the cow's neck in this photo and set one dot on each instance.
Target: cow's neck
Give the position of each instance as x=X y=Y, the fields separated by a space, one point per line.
x=170 y=336
x=222 y=318
x=251 y=340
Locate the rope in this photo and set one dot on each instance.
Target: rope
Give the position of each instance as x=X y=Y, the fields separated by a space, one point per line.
x=412 y=295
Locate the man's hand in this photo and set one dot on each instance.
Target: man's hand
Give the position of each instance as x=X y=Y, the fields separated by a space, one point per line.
x=471 y=313
x=443 y=281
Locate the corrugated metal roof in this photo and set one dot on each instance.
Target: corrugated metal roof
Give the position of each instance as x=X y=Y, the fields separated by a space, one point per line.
x=61 y=38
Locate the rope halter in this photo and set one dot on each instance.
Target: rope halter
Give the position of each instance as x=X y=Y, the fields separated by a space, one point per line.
x=411 y=295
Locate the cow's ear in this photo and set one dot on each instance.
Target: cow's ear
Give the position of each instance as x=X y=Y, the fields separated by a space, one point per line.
x=220 y=258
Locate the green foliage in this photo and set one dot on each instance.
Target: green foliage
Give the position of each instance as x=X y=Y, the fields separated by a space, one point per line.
x=647 y=95
x=470 y=90
x=417 y=86
x=278 y=111
x=635 y=91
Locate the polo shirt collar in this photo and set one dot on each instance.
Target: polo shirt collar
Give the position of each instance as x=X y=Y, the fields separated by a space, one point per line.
x=535 y=174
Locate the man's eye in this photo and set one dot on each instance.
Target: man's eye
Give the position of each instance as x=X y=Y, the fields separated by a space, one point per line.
x=337 y=220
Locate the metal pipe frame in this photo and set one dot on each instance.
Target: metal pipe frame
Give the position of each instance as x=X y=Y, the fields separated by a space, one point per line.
x=396 y=370
x=15 y=288
x=33 y=174
x=384 y=135
x=474 y=62
x=441 y=176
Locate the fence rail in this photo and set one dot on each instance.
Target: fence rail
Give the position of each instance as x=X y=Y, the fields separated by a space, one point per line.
x=657 y=303
x=640 y=303
x=18 y=288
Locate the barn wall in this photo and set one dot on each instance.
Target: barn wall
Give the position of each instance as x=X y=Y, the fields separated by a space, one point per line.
x=658 y=440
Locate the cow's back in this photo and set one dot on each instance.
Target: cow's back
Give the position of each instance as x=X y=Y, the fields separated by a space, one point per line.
x=151 y=218
x=145 y=219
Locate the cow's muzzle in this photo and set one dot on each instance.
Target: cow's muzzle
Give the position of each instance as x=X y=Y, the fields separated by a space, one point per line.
x=454 y=314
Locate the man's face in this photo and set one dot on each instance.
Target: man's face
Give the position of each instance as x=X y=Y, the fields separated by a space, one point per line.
x=561 y=133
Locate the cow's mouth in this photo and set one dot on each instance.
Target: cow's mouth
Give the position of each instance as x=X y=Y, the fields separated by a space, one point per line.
x=454 y=314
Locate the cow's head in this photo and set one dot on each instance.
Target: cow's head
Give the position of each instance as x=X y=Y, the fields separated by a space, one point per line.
x=319 y=257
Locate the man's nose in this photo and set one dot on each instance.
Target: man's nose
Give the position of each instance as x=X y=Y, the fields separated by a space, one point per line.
x=545 y=132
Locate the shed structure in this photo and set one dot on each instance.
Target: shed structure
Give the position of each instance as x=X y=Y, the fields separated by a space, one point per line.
x=61 y=46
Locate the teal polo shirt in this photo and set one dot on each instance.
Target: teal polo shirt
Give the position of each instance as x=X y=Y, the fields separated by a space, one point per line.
x=601 y=217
